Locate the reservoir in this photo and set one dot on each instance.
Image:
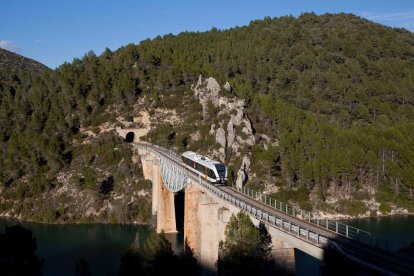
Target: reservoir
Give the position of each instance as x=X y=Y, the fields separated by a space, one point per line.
x=397 y=230
x=102 y=245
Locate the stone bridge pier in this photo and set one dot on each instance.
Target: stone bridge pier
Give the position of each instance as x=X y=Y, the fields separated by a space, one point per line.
x=205 y=222
x=163 y=209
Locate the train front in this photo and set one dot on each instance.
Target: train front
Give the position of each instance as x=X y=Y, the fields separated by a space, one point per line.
x=222 y=173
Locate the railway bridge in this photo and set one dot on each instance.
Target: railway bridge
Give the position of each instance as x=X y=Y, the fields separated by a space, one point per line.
x=207 y=210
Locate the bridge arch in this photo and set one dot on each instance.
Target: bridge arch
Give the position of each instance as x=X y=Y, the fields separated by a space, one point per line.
x=129 y=137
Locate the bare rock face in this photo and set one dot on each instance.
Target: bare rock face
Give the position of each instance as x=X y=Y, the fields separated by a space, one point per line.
x=237 y=120
x=230 y=133
x=206 y=91
x=211 y=132
x=242 y=174
x=248 y=126
x=213 y=86
x=221 y=137
x=227 y=133
x=195 y=136
x=199 y=81
x=236 y=148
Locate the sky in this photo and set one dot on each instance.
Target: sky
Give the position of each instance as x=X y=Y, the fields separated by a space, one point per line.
x=56 y=31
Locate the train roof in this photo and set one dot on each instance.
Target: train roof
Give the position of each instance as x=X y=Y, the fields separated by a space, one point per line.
x=198 y=157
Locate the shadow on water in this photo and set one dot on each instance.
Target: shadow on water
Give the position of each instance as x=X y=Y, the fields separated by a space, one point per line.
x=63 y=245
x=306 y=265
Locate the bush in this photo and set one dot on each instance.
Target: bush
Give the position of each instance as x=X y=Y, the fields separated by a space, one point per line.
x=351 y=207
x=299 y=196
x=361 y=195
x=89 y=178
x=385 y=208
x=143 y=184
x=140 y=210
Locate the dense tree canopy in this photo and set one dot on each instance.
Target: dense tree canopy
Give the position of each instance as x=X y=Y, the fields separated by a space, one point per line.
x=334 y=91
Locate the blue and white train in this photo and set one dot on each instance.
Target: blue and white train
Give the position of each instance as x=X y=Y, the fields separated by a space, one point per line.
x=213 y=171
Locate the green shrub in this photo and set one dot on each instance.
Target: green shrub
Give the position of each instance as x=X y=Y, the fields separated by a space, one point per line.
x=361 y=195
x=385 y=208
x=143 y=184
x=299 y=196
x=351 y=207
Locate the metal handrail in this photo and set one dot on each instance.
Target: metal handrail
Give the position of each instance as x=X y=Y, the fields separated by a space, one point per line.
x=306 y=216
x=332 y=225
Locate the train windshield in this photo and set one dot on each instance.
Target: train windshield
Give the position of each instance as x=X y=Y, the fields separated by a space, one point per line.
x=221 y=169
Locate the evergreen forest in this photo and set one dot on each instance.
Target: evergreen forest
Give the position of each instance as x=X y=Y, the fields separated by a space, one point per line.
x=334 y=93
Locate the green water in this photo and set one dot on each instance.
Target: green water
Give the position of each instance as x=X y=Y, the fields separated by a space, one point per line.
x=103 y=245
x=62 y=245
x=397 y=230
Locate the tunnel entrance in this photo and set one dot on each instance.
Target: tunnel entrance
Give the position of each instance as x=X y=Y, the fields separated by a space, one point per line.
x=179 y=210
x=129 y=138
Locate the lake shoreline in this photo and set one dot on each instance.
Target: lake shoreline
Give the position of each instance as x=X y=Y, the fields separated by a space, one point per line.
x=321 y=215
x=329 y=216
x=8 y=217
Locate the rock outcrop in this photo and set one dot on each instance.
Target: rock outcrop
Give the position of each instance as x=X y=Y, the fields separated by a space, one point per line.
x=207 y=91
x=242 y=174
x=232 y=135
x=227 y=86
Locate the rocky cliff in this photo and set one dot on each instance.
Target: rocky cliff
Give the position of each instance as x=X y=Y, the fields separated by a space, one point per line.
x=233 y=132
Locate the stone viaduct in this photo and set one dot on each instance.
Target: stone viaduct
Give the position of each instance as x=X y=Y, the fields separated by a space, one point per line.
x=208 y=208
x=206 y=217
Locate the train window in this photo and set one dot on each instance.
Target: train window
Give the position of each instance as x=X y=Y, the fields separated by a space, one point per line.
x=200 y=168
x=221 y=169
x=211 y=174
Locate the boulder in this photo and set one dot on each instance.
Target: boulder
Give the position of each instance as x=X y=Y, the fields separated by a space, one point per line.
x=213 y=86
x=213 y=126
x=227 y=86
x=242 y=174
x=195 y=136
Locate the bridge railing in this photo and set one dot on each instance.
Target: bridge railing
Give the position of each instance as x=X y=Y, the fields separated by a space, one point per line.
x=285 y=225
x=333 y=225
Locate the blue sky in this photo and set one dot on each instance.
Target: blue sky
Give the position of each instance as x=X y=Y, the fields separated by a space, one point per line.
x=55 y=31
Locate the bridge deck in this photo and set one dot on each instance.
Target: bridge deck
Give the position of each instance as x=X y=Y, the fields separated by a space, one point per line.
x=377 y=258
x=350 y=247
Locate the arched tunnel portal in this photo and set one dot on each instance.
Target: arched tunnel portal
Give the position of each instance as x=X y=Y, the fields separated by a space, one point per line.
x=129 y=138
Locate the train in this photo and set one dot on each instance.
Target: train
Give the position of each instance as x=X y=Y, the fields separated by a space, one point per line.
x=212 y=171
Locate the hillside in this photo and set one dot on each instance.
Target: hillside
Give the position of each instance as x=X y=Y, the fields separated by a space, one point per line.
x=316 y=110
x=11 y=63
